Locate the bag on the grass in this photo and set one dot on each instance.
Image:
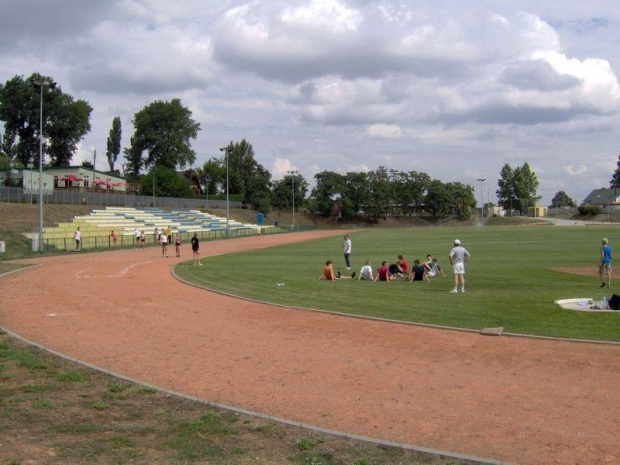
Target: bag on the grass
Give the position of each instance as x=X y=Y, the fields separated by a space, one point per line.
x=614 y=302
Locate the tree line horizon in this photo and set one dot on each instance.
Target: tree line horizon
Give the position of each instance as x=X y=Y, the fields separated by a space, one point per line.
x=161 y=145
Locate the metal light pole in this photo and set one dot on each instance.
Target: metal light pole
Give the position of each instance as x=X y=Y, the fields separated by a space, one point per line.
x=481 y=180
x=30 y=166
x=293 y=173
x=153 y=186
x=226 y=150
x=207 y=180
x=41 y=84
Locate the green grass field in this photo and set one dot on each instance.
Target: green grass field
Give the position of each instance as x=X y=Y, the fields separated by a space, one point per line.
x=509 y=278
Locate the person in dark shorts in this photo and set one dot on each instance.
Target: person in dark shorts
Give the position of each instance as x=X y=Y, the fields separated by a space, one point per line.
x=196 y=249
x=418 y=271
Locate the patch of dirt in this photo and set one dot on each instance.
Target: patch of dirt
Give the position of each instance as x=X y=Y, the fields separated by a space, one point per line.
x=578 y=270
x=511 y=399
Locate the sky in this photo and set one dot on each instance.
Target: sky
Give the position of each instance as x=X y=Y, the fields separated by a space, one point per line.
x=450 y=88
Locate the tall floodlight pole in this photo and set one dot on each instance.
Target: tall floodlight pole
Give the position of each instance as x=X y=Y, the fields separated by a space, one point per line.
x=41 y=84
x=153 y=186
x=226 y=151
x=293 y=173
x=481 y=180
x=207 y=181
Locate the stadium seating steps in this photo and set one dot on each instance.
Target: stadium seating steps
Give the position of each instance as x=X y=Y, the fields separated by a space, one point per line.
x=125 y=220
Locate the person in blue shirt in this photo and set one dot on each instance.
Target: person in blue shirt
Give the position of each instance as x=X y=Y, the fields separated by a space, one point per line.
x=605 y=266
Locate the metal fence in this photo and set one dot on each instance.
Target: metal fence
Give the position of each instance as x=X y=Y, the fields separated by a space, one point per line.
x=82 y=197
x=126 y=241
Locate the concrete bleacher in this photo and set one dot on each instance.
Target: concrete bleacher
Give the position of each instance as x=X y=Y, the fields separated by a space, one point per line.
x=125 y=220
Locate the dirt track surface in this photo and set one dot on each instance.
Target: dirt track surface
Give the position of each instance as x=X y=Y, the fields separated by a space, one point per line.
x=511 y=399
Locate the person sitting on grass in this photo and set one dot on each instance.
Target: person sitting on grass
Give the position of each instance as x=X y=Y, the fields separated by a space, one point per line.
x=418 y=272
x=328 y=273
x=400 y=268
x=434 y=270
x=366 y=272
x=383 y=273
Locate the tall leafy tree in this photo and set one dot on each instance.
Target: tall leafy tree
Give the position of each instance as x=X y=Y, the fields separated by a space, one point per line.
x=615 y=179
x=357 y=195
x=328 y=190
x=438 y=200
x=65 y=120
x=167 y=183
x=113 y=146
x=506 y=194
x=381 y=193
x=282 y=192
x=561 y=199
x=165 y=131
x=256 y=185
x=133 y=156
x=212 y=176
x=526 y=187
x=462 y=199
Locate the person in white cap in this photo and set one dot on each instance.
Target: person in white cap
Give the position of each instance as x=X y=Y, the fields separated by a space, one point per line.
x=605 y=265
x=458 y=256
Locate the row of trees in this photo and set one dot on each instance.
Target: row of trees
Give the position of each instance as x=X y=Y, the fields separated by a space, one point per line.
x=160 y=147
x=383 y=192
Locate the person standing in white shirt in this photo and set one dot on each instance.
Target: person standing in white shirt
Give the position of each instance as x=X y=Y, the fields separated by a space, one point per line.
x=458 y=256
x=346 y=246
x=77 y=237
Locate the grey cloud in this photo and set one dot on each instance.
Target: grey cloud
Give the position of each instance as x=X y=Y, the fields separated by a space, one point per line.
x=536 y=75
x=37 y=19
x=504 y=113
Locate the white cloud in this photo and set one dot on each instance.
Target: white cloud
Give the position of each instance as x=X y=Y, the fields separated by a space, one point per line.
x=280 y=167
x=327 y=15
x=447 y=88
x=386 y=131
x=575 y=171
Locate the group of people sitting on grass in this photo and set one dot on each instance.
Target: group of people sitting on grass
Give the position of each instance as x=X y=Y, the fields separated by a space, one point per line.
x=399 y=269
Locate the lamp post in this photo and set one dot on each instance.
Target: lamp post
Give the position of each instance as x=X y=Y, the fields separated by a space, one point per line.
x=153 y=186
x=41 y=85
x=293 y=173
x=207 y=181
x=30 y=165
x=226 y=150
x=481 y=180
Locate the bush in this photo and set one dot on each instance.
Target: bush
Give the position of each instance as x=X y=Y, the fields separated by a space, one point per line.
x=589 y=210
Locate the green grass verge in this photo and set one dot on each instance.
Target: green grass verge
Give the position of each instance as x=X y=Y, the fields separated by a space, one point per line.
x=510 y=282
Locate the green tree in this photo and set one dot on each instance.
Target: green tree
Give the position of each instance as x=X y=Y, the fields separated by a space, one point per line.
x=282 y=192
x=381 y=193
x=526 y=187
x=561 y=199
x=168 y=183
x=462 y=199
x=65 y=120
x=133 y=156
x=408 y=189
x=438 y=200
x=212 y=176
x=615 y=179
x=357 y=196
x=518 y=188
x=506 y=196
x=113 y=147
x=256 y=185
x=165 y=131
x=329 y=189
